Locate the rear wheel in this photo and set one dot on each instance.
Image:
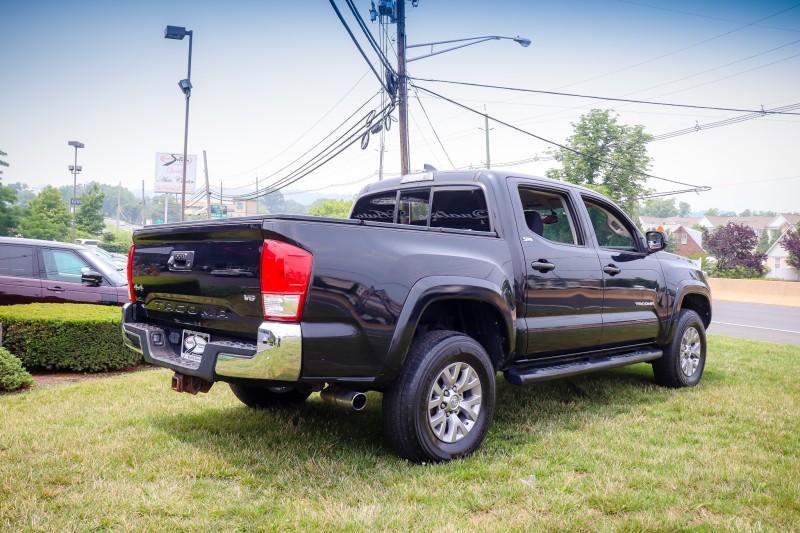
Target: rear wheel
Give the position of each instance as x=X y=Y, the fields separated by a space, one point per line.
x=685 y=357
x=263 y=397
x=441 y=405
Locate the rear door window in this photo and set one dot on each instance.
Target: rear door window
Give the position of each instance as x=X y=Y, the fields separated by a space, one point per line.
x=463 y=209
x=376 y=207
x=414 y=207
x=16 y=261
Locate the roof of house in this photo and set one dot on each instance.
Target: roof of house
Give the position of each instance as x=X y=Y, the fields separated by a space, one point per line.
x=791 y=218
x=687 y=222
x=777 y=241
x=757 y=223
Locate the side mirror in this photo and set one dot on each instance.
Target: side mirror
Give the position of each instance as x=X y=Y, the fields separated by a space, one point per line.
x=655 y=241
x=92 y=278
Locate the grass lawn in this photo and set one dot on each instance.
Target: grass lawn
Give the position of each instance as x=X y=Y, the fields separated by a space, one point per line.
x=606 y=451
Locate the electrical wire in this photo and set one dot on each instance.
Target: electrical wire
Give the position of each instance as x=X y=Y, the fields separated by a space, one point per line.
x=608 y=98
x=358 y=45
x=562 y=146
x=348 y=138
x=435 y=133
x=371 y=38
x=716 y=124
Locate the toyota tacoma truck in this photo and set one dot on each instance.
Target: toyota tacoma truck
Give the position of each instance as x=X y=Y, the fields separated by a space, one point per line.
x=436 y=282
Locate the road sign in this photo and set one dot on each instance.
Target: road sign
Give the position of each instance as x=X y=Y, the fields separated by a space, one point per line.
x=75 y=201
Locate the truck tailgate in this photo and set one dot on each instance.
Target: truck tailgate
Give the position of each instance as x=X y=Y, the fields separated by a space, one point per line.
x=204 y=276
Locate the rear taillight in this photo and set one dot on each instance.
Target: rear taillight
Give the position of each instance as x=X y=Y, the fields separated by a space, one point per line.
x=285 y=275
x=131 y=293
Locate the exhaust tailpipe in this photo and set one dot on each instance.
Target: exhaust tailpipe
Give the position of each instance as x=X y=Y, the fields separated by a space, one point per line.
x=190 y=384
x=355 y=400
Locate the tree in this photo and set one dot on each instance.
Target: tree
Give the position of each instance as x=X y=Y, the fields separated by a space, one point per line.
x=46 y=217
x=24 y=194
x=763 y=241
x=712 y=212
x=684 y=209
x=791 y=243
x=733 y=246
x=331 y=208
x=746 y=213
x=9 y=213
x=89 y=217
x=659 y=207
x=615 y=158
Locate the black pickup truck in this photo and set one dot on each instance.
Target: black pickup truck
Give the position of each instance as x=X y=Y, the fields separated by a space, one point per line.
x=438 y=281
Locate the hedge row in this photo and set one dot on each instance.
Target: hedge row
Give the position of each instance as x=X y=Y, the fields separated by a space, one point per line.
x=78 y=337
x=115 y=247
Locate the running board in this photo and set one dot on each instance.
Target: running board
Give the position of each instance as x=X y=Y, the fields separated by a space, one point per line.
x=531 y=374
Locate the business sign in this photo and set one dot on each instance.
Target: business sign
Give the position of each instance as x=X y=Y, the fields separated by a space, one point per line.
x=169 y=172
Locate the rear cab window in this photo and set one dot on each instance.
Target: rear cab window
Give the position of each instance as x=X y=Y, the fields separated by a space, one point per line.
x=453 y=207
x=17 y=261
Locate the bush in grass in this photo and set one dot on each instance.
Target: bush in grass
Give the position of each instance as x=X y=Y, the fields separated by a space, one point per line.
x=12 y=374
x=79 y=337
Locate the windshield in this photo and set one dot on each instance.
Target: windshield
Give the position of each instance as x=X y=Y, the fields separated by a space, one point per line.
x=106 y=267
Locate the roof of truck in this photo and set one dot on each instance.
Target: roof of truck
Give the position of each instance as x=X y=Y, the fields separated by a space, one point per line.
x=446 y=176
x=40 y=242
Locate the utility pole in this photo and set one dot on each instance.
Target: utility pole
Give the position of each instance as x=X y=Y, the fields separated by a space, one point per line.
x=402 y=99
x=257 y=197
x=208 y=189
x=220 y=198
x=119 y=195
x=144 y=216
x=486 y=131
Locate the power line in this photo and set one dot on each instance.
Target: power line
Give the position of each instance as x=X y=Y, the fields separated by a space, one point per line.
x=370 y=38
x=717 y=124
x=428 y=118
x=348 y=138
x=609 y=98
x=562 y=146
x=306 y=132
x=358 y=45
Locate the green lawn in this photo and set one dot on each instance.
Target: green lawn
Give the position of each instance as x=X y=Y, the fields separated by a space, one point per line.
x=608 y=451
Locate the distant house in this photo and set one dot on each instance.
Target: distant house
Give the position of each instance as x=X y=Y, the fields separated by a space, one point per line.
x=756 y=223
x=777 y=263
x=780 y=224
x=684 y=239
x=687 y=242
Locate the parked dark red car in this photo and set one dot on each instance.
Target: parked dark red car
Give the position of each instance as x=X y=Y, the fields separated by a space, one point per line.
x=46 y=271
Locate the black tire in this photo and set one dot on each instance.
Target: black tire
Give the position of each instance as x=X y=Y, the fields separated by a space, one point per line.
x=667 y=369
x=406 y=411
x=259 y=396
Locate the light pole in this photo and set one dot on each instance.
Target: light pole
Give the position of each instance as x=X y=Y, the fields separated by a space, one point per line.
x=178 y=33
x=402 y=100
x=74 y=169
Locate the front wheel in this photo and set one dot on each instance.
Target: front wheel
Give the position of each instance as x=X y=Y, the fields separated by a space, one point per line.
x=263 y=397
x=685 y=357
x=442 y=404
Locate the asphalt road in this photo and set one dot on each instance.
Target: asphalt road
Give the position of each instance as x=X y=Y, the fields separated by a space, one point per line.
x=773 y=323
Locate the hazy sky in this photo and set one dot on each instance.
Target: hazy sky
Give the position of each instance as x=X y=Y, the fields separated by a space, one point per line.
x=264 y=72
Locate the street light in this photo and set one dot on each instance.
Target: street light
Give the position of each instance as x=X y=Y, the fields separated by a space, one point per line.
x=75 y=168
x=178 y=33
x=468 y=41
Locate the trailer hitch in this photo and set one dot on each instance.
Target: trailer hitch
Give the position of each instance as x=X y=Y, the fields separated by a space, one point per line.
x=190 y=384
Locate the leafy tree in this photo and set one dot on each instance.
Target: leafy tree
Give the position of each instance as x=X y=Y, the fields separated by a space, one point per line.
x=746 y=213
x=733 y=246
x=616 y=156
x=791 y=243
x=155 y=209
x=276 y=203
x=329 y=207
x=684 y=209
x=24 y=194
x=9 y=213
x=763 y=241
x=659 y=207
x=89 y=217
x=712 y=212
x=130 y=204
x=46 y=217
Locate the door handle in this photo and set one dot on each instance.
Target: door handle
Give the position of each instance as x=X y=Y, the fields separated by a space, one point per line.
x=612 y=269
x=56 y=289
x=543 y=265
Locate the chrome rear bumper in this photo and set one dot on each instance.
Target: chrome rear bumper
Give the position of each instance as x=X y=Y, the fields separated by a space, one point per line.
x=276 y=356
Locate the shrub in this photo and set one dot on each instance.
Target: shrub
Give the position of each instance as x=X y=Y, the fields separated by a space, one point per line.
x=79 y=337
x=12 y=374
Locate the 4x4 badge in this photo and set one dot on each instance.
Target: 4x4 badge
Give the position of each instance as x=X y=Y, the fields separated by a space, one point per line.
x=138 y=287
